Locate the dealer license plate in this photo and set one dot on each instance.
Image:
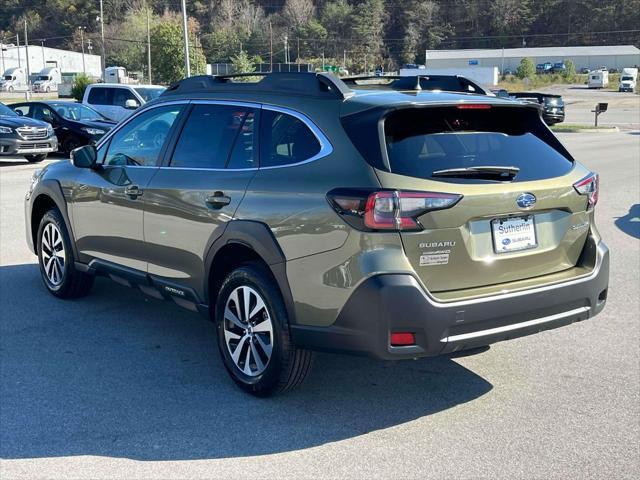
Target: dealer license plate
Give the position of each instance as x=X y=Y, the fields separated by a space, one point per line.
x=513 y=233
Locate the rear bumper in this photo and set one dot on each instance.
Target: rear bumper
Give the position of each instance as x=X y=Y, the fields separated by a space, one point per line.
x=397 y=303
x=16 y=146
x=556 y=117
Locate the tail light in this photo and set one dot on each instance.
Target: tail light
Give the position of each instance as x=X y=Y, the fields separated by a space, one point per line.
x=589 y=186
x=388 y=209
x=474 y=106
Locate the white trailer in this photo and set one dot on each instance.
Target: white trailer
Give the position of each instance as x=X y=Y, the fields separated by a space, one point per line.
x=628 y=80
x=598 y=79
x=119 y=75
x=14 y=79
x=48 y=80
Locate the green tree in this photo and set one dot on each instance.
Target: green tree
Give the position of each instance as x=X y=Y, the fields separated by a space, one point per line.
x=368 y=28
x=526 y=69
x=569 y=73
x=79 y=86
x=242 y=63
x=167 y=50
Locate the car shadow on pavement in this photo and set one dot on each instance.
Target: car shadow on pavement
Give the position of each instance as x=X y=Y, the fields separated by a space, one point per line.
x=630 y=223
x=117 y=374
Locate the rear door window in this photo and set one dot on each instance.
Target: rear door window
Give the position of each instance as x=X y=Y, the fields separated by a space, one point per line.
x=421 y=141
x=216 y=136
x=23 y=109
x=285 y=140
x=100 y=96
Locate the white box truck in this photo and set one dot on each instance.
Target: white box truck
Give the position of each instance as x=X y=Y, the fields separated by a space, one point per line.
x=628 y=80
x=48 y=80
x=598 y=79
x=14 y=79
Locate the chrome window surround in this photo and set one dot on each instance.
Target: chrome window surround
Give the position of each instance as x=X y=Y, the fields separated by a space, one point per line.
x=325 y=145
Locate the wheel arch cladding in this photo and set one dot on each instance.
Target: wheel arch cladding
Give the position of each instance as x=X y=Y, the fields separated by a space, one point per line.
x=48 y=194
x=243 y=241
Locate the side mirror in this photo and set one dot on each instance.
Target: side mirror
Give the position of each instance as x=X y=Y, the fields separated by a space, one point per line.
x=84 y=157
x=131 y=104
x=19 y=112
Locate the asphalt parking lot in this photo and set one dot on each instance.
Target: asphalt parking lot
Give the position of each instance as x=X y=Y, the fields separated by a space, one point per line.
x=117 y=385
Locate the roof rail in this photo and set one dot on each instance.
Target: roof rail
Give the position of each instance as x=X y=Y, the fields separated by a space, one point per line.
x=320 y=85
x=449 y=83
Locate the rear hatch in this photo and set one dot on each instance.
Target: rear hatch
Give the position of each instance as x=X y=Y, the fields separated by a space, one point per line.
x=519 y=215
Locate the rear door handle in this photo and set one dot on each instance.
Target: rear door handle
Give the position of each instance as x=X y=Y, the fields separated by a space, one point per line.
x=218 y=200
x=133 y=191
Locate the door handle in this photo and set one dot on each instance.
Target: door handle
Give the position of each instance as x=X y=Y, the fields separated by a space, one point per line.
x=133 y=191
x=218 y=200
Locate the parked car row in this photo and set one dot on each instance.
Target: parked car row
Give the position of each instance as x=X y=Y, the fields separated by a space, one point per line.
x=35 y=129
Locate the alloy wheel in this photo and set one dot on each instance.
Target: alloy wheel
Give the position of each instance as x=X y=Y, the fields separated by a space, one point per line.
x=248 y=331
x=53 y=254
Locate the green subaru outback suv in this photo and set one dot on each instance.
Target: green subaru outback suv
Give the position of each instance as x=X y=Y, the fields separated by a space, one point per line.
x=302 y=212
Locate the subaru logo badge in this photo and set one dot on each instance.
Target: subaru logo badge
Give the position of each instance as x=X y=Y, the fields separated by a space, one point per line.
x=526 y=200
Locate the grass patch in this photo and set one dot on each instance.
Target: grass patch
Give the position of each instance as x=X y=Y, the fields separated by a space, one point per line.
x=569 y=127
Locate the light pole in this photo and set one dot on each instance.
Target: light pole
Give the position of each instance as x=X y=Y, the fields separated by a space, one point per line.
x=103 y=59
x=187 y=65
x=84 y=67
x=26 y=51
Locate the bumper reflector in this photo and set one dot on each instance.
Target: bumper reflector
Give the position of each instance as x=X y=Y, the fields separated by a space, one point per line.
x=401 y=339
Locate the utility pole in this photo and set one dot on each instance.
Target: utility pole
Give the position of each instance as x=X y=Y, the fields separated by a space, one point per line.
x=2 y=49
x=148 y=48
x=286 y=50
x=270 y=47
x=298 y=55
x=84 y=66
x=344 y=59
x=44 y=63
x=26 y=50
x=323 y=60
x=18 y=50
x=103 y=60
x=187 y=65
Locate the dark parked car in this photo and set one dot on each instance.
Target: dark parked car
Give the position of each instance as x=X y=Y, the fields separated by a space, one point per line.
x=552 y=105
x=25 y=136
x=544 y=67
x=559 y=67
x=584 y=70
x=74 y=124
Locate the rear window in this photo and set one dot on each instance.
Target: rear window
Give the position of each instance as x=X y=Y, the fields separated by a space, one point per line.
x=421 y=141
x=149 y=94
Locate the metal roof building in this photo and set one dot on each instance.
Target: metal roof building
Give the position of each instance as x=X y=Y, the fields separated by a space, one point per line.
x=611 y=56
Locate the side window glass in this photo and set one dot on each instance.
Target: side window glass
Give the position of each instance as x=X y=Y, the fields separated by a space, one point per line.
x=243 y=153
x=98 y=96
x=140 y=141
x=23 y=109
x=121 y=95
x=285 y=140
x=209 y=135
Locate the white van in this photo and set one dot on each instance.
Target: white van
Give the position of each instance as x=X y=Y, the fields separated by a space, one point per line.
x=598 y=79
x=48 y=80
x=117 y=101
x=14 y=79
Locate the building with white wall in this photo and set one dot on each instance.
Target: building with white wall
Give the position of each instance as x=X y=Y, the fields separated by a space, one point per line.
x=39 y=57
x=610 y=56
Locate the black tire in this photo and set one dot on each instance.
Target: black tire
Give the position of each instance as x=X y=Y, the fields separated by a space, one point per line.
x=35 y=158
x=288 y=365
x=73 y=283
x=70 y=144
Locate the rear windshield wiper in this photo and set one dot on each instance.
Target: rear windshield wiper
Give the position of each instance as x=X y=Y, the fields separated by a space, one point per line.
x=482 y=171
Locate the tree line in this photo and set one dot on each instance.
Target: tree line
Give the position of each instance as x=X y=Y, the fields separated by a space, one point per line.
x=356 y=34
